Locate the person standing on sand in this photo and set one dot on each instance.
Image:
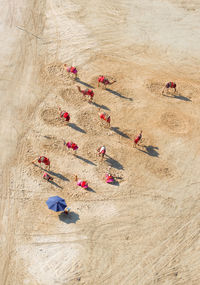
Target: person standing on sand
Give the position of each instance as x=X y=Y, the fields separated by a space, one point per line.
x=88 y=92
x=47 y=177
x=137 y=139
x=105 y=117
x=44 y=160
x=71 y=145
x=104 y=81
x=81 y=183
x=102 y=151
x=72 y=70
x=169 y=85
x=64 y=115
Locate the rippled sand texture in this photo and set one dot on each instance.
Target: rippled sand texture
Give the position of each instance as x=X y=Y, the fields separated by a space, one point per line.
x=144 y=229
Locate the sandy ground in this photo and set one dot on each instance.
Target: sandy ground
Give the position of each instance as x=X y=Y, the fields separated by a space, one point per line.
x=143 y=230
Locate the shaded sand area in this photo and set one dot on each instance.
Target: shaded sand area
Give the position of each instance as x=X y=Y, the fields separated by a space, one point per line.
x=143 y=230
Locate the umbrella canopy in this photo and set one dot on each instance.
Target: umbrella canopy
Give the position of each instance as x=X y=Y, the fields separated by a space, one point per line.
x=56 y=204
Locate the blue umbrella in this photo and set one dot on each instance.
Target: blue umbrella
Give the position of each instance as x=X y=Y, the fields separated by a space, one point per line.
x=56 y=204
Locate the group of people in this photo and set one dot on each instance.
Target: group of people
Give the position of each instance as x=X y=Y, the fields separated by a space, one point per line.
x=109 y=178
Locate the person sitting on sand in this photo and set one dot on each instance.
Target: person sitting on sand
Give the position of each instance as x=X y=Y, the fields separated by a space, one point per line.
x=43 y=159
x=137 y=139
x=103 y=80
x=105 y=117
x=64 y=115
x=71 y=145
x=72 y=69
x=86 y=92
x=169 y=85
x=47 y=177
x=109 y=178
x=67 y=210
x=102 y=151
x=81 y=183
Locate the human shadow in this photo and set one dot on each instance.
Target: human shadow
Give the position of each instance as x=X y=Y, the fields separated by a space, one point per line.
x=117 y=130
x=84 y=83
x=118 y=94
x=114 y=183
x=55 y=184
x=100 y=106
x=70 y=218
x=75 y=127
x=150 y=150
x=178 y=96
x=85 y=159
x=58 y=175
x=114 y=163
x=90 y=190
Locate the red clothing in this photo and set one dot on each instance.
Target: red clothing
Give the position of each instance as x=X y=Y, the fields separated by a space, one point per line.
x=138 y=139
x=101 y=79
x=65 y=115
x=47 y=176
x=90 y=92
x=43 y=159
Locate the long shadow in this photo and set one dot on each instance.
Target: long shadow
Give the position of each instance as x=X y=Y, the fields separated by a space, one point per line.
x=60 y=176
x=55 y=184
x=100 y=106
x=150 y=150
x=114 y=163
x=90 y=190
x=75 y=127
x=178 y=96
x=117 y=130
x=118 y=94
x=84 y=83
x=85 y=160
x=70 y=218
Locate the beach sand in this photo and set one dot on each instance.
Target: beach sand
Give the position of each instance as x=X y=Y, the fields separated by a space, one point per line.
x=143 y=230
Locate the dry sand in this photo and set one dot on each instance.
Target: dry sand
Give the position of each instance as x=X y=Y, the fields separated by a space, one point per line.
x=145 y=230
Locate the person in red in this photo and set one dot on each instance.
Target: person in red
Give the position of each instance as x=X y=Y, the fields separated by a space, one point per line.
x=64 y=115
x=47 y=177
x=169 y=85
x=88 y=92
x=103 y=80
x=44 y=160
x=137 y=139
x=72 y=70
x=105 y=117
x=71 y=145
x=81 y=183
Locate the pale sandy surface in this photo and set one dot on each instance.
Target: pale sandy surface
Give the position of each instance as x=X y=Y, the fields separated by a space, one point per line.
x=145 y=230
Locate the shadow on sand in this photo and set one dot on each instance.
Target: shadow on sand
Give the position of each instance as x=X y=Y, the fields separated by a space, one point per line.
x=118 y=94
x=58 y=175
x=70 y=218
x=55 y=184
x=150 y=150
x=90 y=190
x=85 y=160
x=117 y=131
x=178 y=96
x=75 y=127
x=84 y=83
x=114 y=163
x=100 y=106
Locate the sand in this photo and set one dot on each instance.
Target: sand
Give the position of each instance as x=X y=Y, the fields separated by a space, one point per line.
x=143 y=230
